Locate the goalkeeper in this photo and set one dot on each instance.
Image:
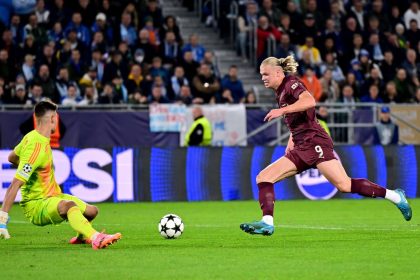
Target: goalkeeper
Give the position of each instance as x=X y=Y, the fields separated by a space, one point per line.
x=42 y=200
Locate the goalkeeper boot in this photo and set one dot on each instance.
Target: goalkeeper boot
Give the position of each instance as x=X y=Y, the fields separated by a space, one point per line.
x=79 y=240
x=403 y=205
x=102 y=240
x=258 y=227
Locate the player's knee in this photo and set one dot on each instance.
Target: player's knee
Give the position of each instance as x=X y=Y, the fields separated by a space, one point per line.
x=65 y=206
x=91 y=212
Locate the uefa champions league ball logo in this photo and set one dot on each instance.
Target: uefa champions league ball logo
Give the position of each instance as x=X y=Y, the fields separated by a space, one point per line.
x=314 y=185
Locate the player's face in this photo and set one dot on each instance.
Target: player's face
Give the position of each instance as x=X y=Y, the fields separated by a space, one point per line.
x=272 y=76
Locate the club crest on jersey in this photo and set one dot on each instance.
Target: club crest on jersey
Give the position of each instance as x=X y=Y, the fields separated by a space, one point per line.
x=314 y=185
x=27 y=168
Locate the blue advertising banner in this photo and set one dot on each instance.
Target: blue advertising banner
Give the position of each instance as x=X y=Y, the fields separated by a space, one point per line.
x=198 y=173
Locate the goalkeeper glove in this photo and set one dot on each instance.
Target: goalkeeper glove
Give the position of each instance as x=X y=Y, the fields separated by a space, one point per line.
x=4 y=219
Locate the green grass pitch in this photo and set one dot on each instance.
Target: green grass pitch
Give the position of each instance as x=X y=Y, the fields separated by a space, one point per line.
x=337 y=239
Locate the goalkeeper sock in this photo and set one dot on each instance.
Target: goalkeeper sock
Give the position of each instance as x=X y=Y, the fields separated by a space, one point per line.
x=79 y=223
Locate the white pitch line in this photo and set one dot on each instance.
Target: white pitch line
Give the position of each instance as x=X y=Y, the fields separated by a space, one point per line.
x=295 y=226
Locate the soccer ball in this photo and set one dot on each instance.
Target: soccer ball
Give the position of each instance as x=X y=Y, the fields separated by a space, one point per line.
x=171 y=226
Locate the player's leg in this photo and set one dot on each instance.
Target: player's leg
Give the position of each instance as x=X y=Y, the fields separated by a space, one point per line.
x=89 y=211
x=70 y=210
x=334 y=171
x=275 y=172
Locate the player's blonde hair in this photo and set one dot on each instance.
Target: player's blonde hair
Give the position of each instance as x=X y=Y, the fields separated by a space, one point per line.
x=288 y=64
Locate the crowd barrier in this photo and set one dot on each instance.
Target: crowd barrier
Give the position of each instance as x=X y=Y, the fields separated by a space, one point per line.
x=122 y=174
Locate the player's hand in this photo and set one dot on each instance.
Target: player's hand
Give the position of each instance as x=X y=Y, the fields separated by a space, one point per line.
x=273 y=114
x=4 y=219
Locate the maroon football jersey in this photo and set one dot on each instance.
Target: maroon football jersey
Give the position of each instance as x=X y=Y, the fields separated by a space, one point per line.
x=303 y=125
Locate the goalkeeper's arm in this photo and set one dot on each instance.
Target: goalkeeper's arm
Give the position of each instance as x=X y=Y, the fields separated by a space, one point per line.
x=9 y=198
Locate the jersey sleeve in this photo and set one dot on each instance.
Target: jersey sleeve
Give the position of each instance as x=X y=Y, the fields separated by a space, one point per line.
x=18 y=148
x=29 y=160
x=296 y=88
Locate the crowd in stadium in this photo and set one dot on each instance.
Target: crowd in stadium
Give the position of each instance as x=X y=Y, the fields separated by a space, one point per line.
x=110 y=52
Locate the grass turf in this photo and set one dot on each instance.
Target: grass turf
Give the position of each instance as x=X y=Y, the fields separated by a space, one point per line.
x=336 y=239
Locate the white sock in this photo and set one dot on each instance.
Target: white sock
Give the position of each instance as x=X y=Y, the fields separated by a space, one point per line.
x=392 y=196
x=268 y=220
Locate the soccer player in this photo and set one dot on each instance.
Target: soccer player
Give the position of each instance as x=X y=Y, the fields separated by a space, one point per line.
x=42 y=200
x=309 y=146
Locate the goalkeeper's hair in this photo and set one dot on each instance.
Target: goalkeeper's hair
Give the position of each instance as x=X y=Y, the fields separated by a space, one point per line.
x=288 y=64
x=42 y=107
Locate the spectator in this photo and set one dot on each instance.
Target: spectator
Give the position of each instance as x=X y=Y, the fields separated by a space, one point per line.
x=330 y=89
x=89 y=96
x=29 y=46
x=63 y=82
x=154 y=38
x=178 y=80
x=391 y=94
x=120 y=91
x=170 y=51
x=313 y=85
x=403 y=85
x=348 y=95
x=413 y=34
x=82 y=32
x=7 y=71
x=87 y=10
x=90 y=78
x=59 y=13
x=386 y=132
x=76 y=66
x=159 y=82
x=98 y=42
x=35 y=95
x=144 y=50
x=190 y=66
x=158 y=70
x=336 y=16
x=285 y=48
x=42 y=14
x=28 y=68
x=352 y=81
x=250 y=98
x=365 y=63
x=20 y=96
x=373 y=95
x=195 y=48
x=137 y=98
x=114 y=68
x=48 y=58
x=231 y=82
x=108 y=95
x=47 y=85
x=152 y=10
x=356 y=71
x=98 y=63
x=381 y=14
x=353 y=50
x=306 y=62
x=400 y=33
x=38 y=32
x=245 y=22
x=157 y=96
x=56 y=34
x=412 y=67
x=309 y=28
x=286 y=29
x=351 y=39
x=71 y=99
x=225 y=97
x=332 y=36
x=131 y=9
x=185 y=96
x=265 y=31
x=210 y=60
x=272 y=13
x=200 y=132
x=206 y=85
x=331 y=64
x=170 y=25
x=412 y=13
x=126 y=31
x=101 y=25
x=135 y=80
x=295 y=15
x=375 y=78
x=395 y=17
x=312 y=9
x=16 y=29
x=395 y=47
x=388 y=66
x=315 y=55
x=375 y=48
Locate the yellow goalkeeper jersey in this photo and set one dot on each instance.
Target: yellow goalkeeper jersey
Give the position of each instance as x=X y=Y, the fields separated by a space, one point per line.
x=36 y=167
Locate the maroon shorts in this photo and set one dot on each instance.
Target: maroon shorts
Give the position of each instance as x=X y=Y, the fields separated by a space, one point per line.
x=310 y=154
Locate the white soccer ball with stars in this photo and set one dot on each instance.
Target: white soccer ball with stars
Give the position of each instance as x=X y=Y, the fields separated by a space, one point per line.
x=171 y=226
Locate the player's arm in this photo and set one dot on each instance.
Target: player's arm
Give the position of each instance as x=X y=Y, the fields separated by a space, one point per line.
x=8 y=201
x=14 y=158
x=305 y=102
